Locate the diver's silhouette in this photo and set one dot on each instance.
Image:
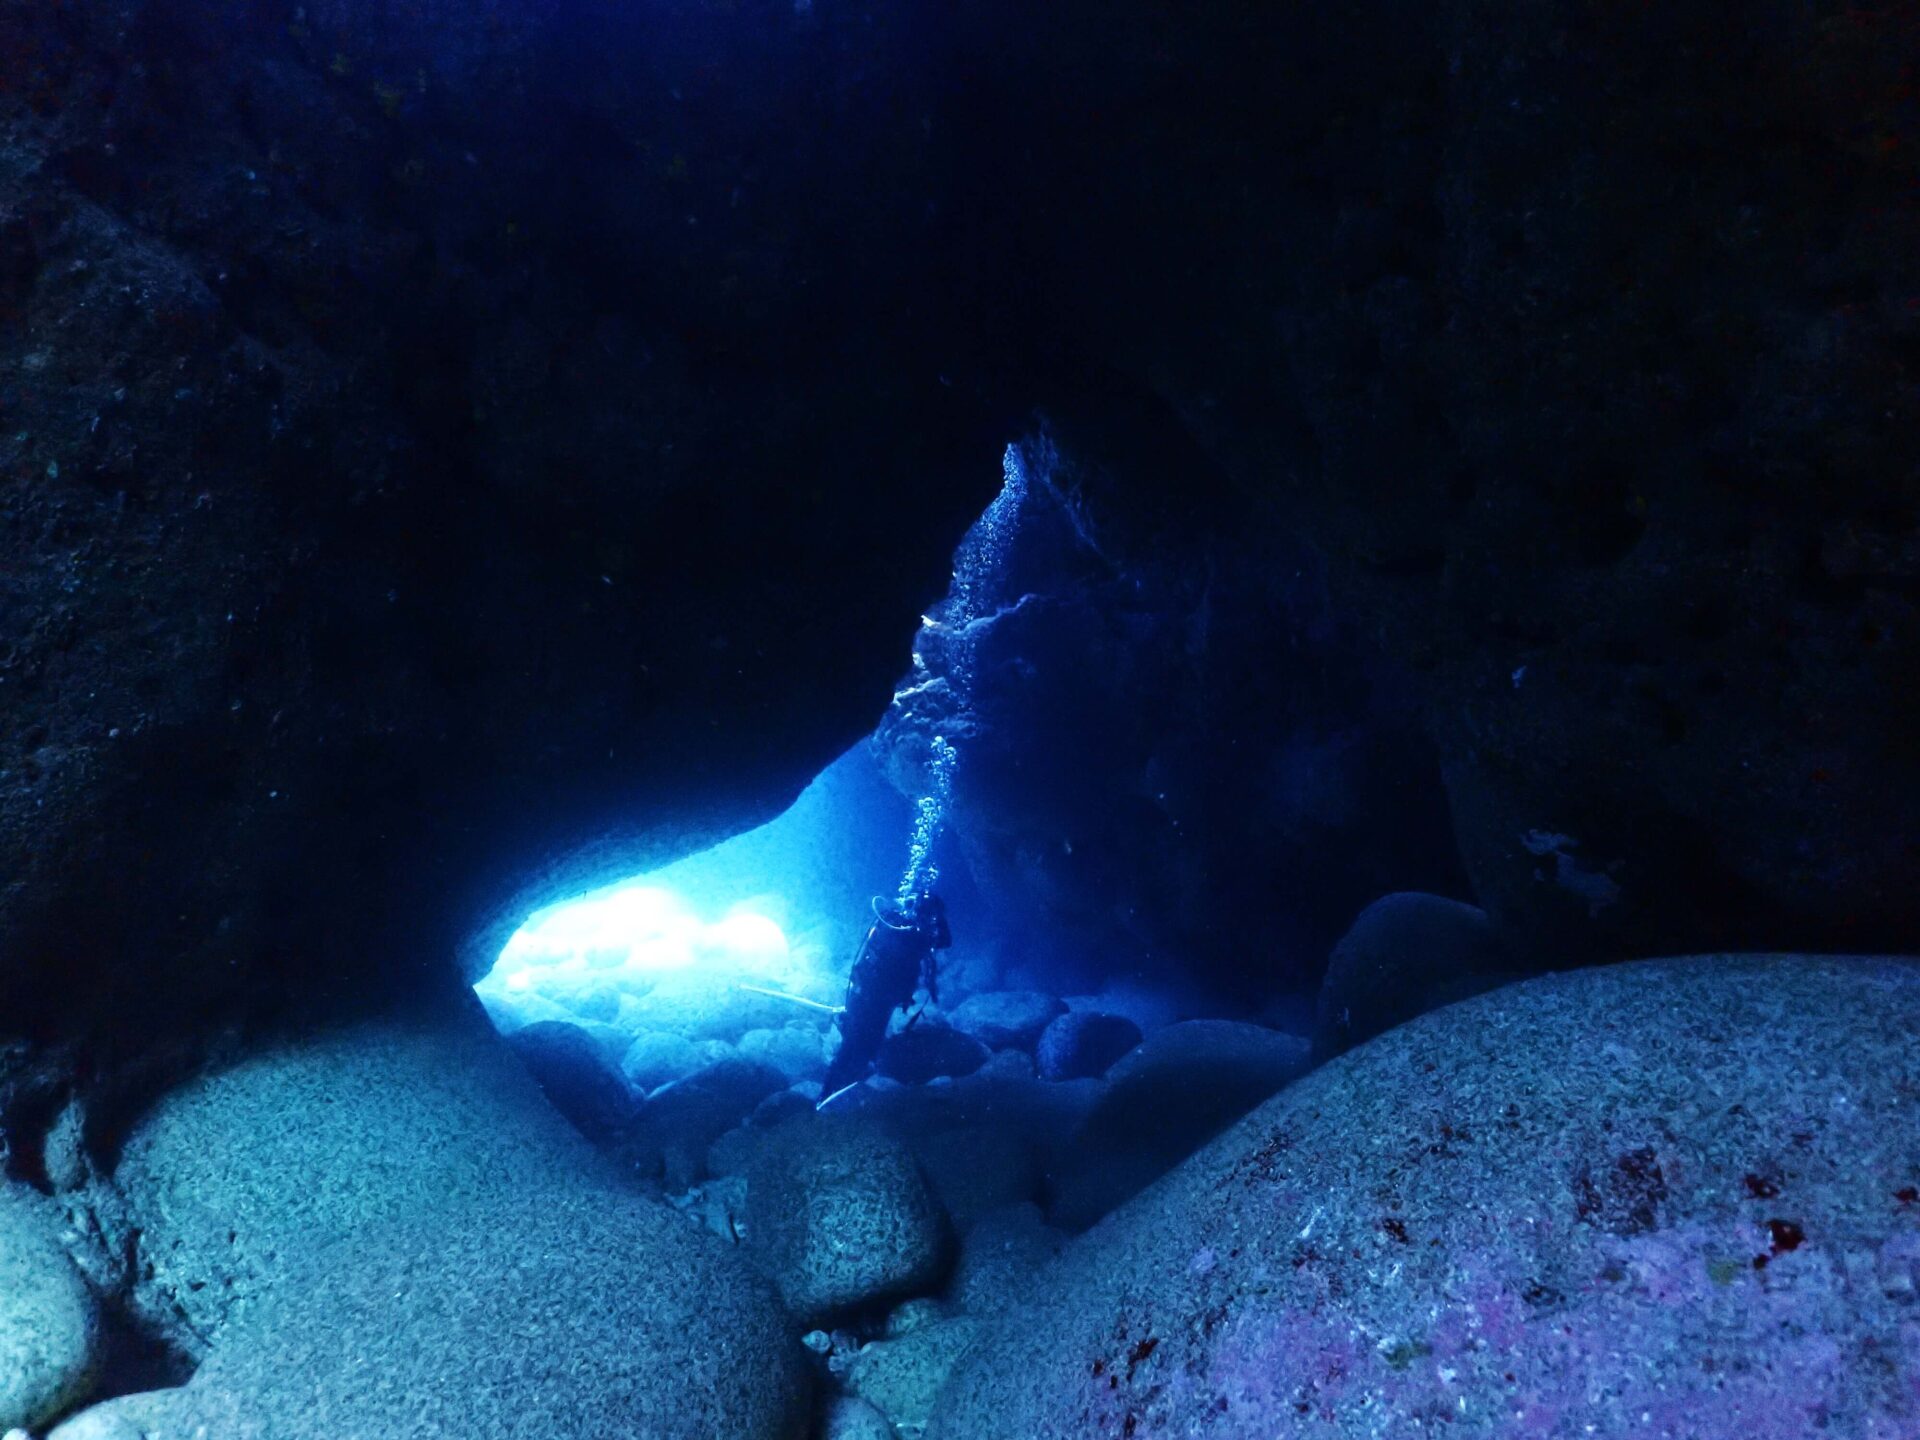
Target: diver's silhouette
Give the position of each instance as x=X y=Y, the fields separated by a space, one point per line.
x=896 y=956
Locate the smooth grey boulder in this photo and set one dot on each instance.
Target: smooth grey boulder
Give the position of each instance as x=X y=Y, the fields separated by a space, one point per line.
x=1006 y=1019
x=387 y=1231
x=1163 y=1100
x=1675 y=1197
x=1406 y=954
x=50 y=1337
x=1084 y=1044
x=841 y=1218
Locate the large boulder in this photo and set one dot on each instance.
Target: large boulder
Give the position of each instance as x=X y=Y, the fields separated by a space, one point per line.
x=573 y=1072
x=386 y=1230
x=901 y=1375
x=1164 y=1099
x=1084 y=1043
x=929 y=1051
x=1671 y=1198
x=999 y=1257
x=1006 y=1019
x=841 y=1218
x=50 y=1335
x=679 y=1124
x=1405 y=955
x=660 y=1057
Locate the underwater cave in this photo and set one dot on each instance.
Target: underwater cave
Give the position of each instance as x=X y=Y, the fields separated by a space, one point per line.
x=862 y=721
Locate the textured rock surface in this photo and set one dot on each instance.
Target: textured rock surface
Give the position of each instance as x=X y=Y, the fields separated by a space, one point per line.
x=50 y=1338
x=901 y=1376
x=1163 y=1100
x=1672 y=1197
x=127 y=1417
x=851 y=1418
x=388 y=1231
x=1084 y=1044
x=1405 y=955
x=999 y=1258
x=418 y=465
x=842 y=1219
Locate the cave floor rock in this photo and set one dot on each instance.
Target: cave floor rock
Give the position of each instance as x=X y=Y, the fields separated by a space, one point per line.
x=386 y=1232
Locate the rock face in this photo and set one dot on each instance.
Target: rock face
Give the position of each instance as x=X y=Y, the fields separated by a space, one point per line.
x=257 y=682
x=1672 y=1194
x=1084 y=1045
x=841 y=1219
x=50 y=1339
x=1406 y=954
x=388 y=1231
x=1165 y=1099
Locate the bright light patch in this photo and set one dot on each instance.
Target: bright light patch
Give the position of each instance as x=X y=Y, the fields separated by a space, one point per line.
x=728 y=949
x=633 y=935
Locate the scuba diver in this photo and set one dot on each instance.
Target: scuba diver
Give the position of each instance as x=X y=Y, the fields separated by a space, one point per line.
x=896 y=956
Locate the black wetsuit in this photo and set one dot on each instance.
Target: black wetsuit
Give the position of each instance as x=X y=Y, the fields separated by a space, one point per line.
x=897 y=952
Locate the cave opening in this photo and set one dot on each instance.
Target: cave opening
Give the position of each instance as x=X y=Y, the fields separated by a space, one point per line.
x=741 y=952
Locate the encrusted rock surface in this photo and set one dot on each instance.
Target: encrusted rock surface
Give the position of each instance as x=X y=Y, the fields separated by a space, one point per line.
x=841 y=1218
x=50 y=1335
x=1673 y=1197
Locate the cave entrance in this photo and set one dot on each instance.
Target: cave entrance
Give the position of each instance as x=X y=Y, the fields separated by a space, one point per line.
x=741 y=952
x=737 y=952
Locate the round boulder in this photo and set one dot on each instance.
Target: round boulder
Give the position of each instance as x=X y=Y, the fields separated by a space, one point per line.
x=1406 y=954
x=1084 y=1044
x=841 y=1218
x=387 y=1231
x=660 y=1057
x=49 y=1327
x=1006 y=1019
x=927 y=1052
x=1671 y=1198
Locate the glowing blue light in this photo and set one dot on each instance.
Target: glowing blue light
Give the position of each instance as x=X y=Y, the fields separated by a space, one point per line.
x=780 y=908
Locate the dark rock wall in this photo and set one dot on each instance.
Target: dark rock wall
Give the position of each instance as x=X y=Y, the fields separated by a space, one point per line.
x=448 y=447
x=1580 y=340
x=440 y=440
